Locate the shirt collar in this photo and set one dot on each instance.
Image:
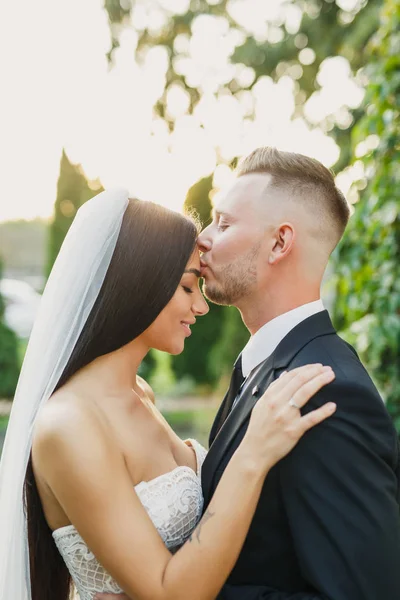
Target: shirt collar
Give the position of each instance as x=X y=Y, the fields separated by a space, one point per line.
x=263 y=343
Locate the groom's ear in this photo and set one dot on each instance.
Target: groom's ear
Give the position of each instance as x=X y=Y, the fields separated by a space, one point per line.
x=283 y=240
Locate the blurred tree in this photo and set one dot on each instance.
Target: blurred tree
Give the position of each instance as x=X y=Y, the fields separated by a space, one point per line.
x=9 y=363
x=198 y=200
x=161 y=376
x=73 y=190
x=299 y=36
x=230 y=344
x=368 y=261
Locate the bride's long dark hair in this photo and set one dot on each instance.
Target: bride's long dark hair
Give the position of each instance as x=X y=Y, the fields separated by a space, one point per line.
x=153 y=248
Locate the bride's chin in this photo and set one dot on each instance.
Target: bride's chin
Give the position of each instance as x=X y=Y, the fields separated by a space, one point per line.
x=174 y=348
x=178 y=346
x=177 y=349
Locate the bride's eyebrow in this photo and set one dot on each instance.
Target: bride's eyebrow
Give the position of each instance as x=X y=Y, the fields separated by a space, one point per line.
x=194 y=271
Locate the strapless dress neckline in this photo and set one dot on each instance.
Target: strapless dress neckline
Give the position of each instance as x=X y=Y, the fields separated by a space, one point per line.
x=173 y=501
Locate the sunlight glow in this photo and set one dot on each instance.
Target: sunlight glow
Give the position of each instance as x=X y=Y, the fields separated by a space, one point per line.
x=60 y=92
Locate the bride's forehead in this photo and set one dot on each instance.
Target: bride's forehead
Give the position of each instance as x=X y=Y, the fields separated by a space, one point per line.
x=194 y=260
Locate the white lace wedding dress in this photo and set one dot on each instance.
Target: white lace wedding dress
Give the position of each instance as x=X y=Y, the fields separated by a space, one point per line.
x=174 y=502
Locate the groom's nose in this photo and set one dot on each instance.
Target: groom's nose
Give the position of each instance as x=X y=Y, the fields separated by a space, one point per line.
x=204 y=241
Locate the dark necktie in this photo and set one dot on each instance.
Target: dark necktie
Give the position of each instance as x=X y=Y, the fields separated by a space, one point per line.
x=237 y=379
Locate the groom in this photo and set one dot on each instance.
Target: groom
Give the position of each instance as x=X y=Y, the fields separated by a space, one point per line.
x=327 y=526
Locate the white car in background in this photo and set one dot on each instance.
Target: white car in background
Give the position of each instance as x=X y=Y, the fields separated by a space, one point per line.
x=21 y=304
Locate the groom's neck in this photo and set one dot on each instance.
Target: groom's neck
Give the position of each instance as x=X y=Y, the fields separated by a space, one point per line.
x=263 y=306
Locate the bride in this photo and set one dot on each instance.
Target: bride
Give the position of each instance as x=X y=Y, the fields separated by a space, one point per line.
x=95 y=487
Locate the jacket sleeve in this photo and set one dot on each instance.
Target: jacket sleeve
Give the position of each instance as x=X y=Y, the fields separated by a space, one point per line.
x=340 y=492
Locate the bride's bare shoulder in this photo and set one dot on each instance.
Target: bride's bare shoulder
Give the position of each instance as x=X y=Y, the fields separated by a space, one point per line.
x=65 y=418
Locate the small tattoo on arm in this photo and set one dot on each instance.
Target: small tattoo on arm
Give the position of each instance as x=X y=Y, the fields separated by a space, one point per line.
x=206 y=517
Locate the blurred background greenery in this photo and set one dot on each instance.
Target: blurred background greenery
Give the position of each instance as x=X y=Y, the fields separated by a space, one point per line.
x=338 y=63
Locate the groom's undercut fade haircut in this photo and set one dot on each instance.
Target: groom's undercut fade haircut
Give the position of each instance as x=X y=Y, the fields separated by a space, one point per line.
x=306 y=180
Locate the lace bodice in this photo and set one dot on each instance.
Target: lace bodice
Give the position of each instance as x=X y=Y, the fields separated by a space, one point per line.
x=174 y=502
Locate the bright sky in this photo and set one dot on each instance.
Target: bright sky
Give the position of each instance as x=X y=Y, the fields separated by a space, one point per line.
x=58 y=91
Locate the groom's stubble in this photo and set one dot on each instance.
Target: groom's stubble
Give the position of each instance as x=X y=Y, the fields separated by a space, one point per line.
x=233 y=282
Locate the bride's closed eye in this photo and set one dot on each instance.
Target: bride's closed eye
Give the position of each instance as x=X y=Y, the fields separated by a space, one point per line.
x=187 y=289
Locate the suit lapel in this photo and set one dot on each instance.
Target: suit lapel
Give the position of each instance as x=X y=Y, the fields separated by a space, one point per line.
x=217 y=420
x=315 y=326
x=234 y=420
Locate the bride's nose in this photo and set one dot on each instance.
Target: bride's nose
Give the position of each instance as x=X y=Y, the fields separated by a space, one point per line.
x=200 y=306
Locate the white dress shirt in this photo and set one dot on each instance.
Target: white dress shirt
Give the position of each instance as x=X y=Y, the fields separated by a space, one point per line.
x=263 y=343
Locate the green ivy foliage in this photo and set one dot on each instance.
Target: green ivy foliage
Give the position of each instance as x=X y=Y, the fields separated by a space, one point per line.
x=368 y=261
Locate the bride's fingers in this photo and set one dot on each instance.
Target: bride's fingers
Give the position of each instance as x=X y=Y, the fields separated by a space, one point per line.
x=302 y=395
x=290 y=374
x=287 y=376
x=289 y=384
x=316 y=416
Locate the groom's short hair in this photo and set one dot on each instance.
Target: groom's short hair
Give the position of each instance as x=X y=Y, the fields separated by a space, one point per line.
x=304 y=178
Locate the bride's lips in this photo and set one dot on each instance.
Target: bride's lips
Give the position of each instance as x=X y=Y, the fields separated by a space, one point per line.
x=186 y=326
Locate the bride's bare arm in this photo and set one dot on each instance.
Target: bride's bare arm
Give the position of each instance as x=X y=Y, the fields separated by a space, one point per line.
x=88 y=476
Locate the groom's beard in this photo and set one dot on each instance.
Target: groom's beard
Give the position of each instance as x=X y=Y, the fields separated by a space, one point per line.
x=234 y=281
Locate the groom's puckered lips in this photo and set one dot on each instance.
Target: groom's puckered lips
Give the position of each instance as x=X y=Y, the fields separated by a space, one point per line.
x=203 y=266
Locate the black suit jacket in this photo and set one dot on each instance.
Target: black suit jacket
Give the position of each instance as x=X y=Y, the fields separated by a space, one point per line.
x=327 y=525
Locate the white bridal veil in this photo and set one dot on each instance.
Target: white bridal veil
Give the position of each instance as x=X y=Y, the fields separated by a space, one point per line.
x=70 y=294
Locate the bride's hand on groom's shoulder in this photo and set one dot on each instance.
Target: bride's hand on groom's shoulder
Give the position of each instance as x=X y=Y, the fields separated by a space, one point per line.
x=276 y=423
